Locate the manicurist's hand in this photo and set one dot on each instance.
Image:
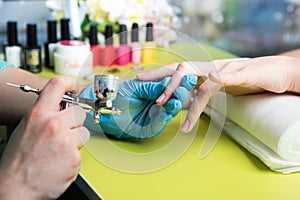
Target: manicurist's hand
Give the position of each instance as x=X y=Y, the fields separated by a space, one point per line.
x=42 y=157
x=141 y=117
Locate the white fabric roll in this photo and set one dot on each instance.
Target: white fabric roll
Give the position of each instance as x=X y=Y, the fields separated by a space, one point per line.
x=267 y=124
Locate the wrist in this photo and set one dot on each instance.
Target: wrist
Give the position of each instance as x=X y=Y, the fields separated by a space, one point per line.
x=295 y=77
x=12 y=187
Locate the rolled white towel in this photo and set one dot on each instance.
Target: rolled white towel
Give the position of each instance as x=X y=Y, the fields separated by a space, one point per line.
x=272 y=122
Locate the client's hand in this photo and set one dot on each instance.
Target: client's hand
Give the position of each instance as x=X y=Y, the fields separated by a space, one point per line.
x=273 y=73
x=239 y=76
x=141 y=117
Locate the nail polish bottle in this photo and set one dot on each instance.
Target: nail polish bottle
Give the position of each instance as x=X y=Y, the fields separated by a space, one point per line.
x=108 y=52
x=94 y=44
x=51 y=43
x=12 y=49
x=32 y=51
x=149 y=46
x=64 y=29
x=124 y=50
x=136 y=47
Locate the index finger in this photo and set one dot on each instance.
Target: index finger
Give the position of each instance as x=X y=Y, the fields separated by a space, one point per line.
x=158 y=73
x=54 y=90
x=182 y=69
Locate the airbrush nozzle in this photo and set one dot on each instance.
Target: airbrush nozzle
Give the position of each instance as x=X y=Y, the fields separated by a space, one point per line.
x=25 y=88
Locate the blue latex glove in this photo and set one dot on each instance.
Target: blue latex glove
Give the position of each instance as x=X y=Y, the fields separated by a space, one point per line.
x=4 y=64
x=141 y=117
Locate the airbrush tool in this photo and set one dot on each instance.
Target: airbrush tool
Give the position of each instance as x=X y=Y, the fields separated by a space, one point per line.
x=106 y=86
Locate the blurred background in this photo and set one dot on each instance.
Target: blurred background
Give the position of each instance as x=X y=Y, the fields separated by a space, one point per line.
x=243 y=27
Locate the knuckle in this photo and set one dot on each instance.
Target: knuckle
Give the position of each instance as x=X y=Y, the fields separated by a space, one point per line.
x=76 y=159
x=65 y=144
x=174 y=66
x=36 y=112
x=204 y=90
x=168 y=91
x=57 y=80
x=52 y=126
x=184 y=66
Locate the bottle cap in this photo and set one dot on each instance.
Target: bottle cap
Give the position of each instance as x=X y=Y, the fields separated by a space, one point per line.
x=149 y=31
x=64 y=29
x=51 y=30
x=135 y=32
x=93 y=35
x=108 y=34
x=123 y=34
x=12 y=35
x=31 y=35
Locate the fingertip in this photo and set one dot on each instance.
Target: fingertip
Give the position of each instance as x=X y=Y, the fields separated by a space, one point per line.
x=186 y=126
x=160 y=100
x=164 y=97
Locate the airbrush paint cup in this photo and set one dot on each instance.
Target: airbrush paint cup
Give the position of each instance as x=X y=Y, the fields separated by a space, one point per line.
x=106 y=86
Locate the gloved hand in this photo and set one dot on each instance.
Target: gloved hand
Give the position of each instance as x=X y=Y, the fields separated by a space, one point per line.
x=141 y=117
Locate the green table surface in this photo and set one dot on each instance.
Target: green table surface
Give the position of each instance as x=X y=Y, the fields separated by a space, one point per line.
x=168 y=166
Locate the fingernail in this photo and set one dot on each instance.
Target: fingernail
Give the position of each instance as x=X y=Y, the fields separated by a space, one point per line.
x=185 y=126
x=161 y=98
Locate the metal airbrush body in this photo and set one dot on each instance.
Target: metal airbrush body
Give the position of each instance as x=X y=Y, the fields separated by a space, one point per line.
x=106 y=87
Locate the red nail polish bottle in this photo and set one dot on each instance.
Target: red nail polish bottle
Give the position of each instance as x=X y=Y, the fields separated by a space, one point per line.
x=108 y=52
x=94 y=45
x=50 y=45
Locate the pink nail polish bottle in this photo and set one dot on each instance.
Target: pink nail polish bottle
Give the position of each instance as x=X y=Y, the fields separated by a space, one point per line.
x=94 y=45
x=124 y=50
x=136 y=52
x=108 y=52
